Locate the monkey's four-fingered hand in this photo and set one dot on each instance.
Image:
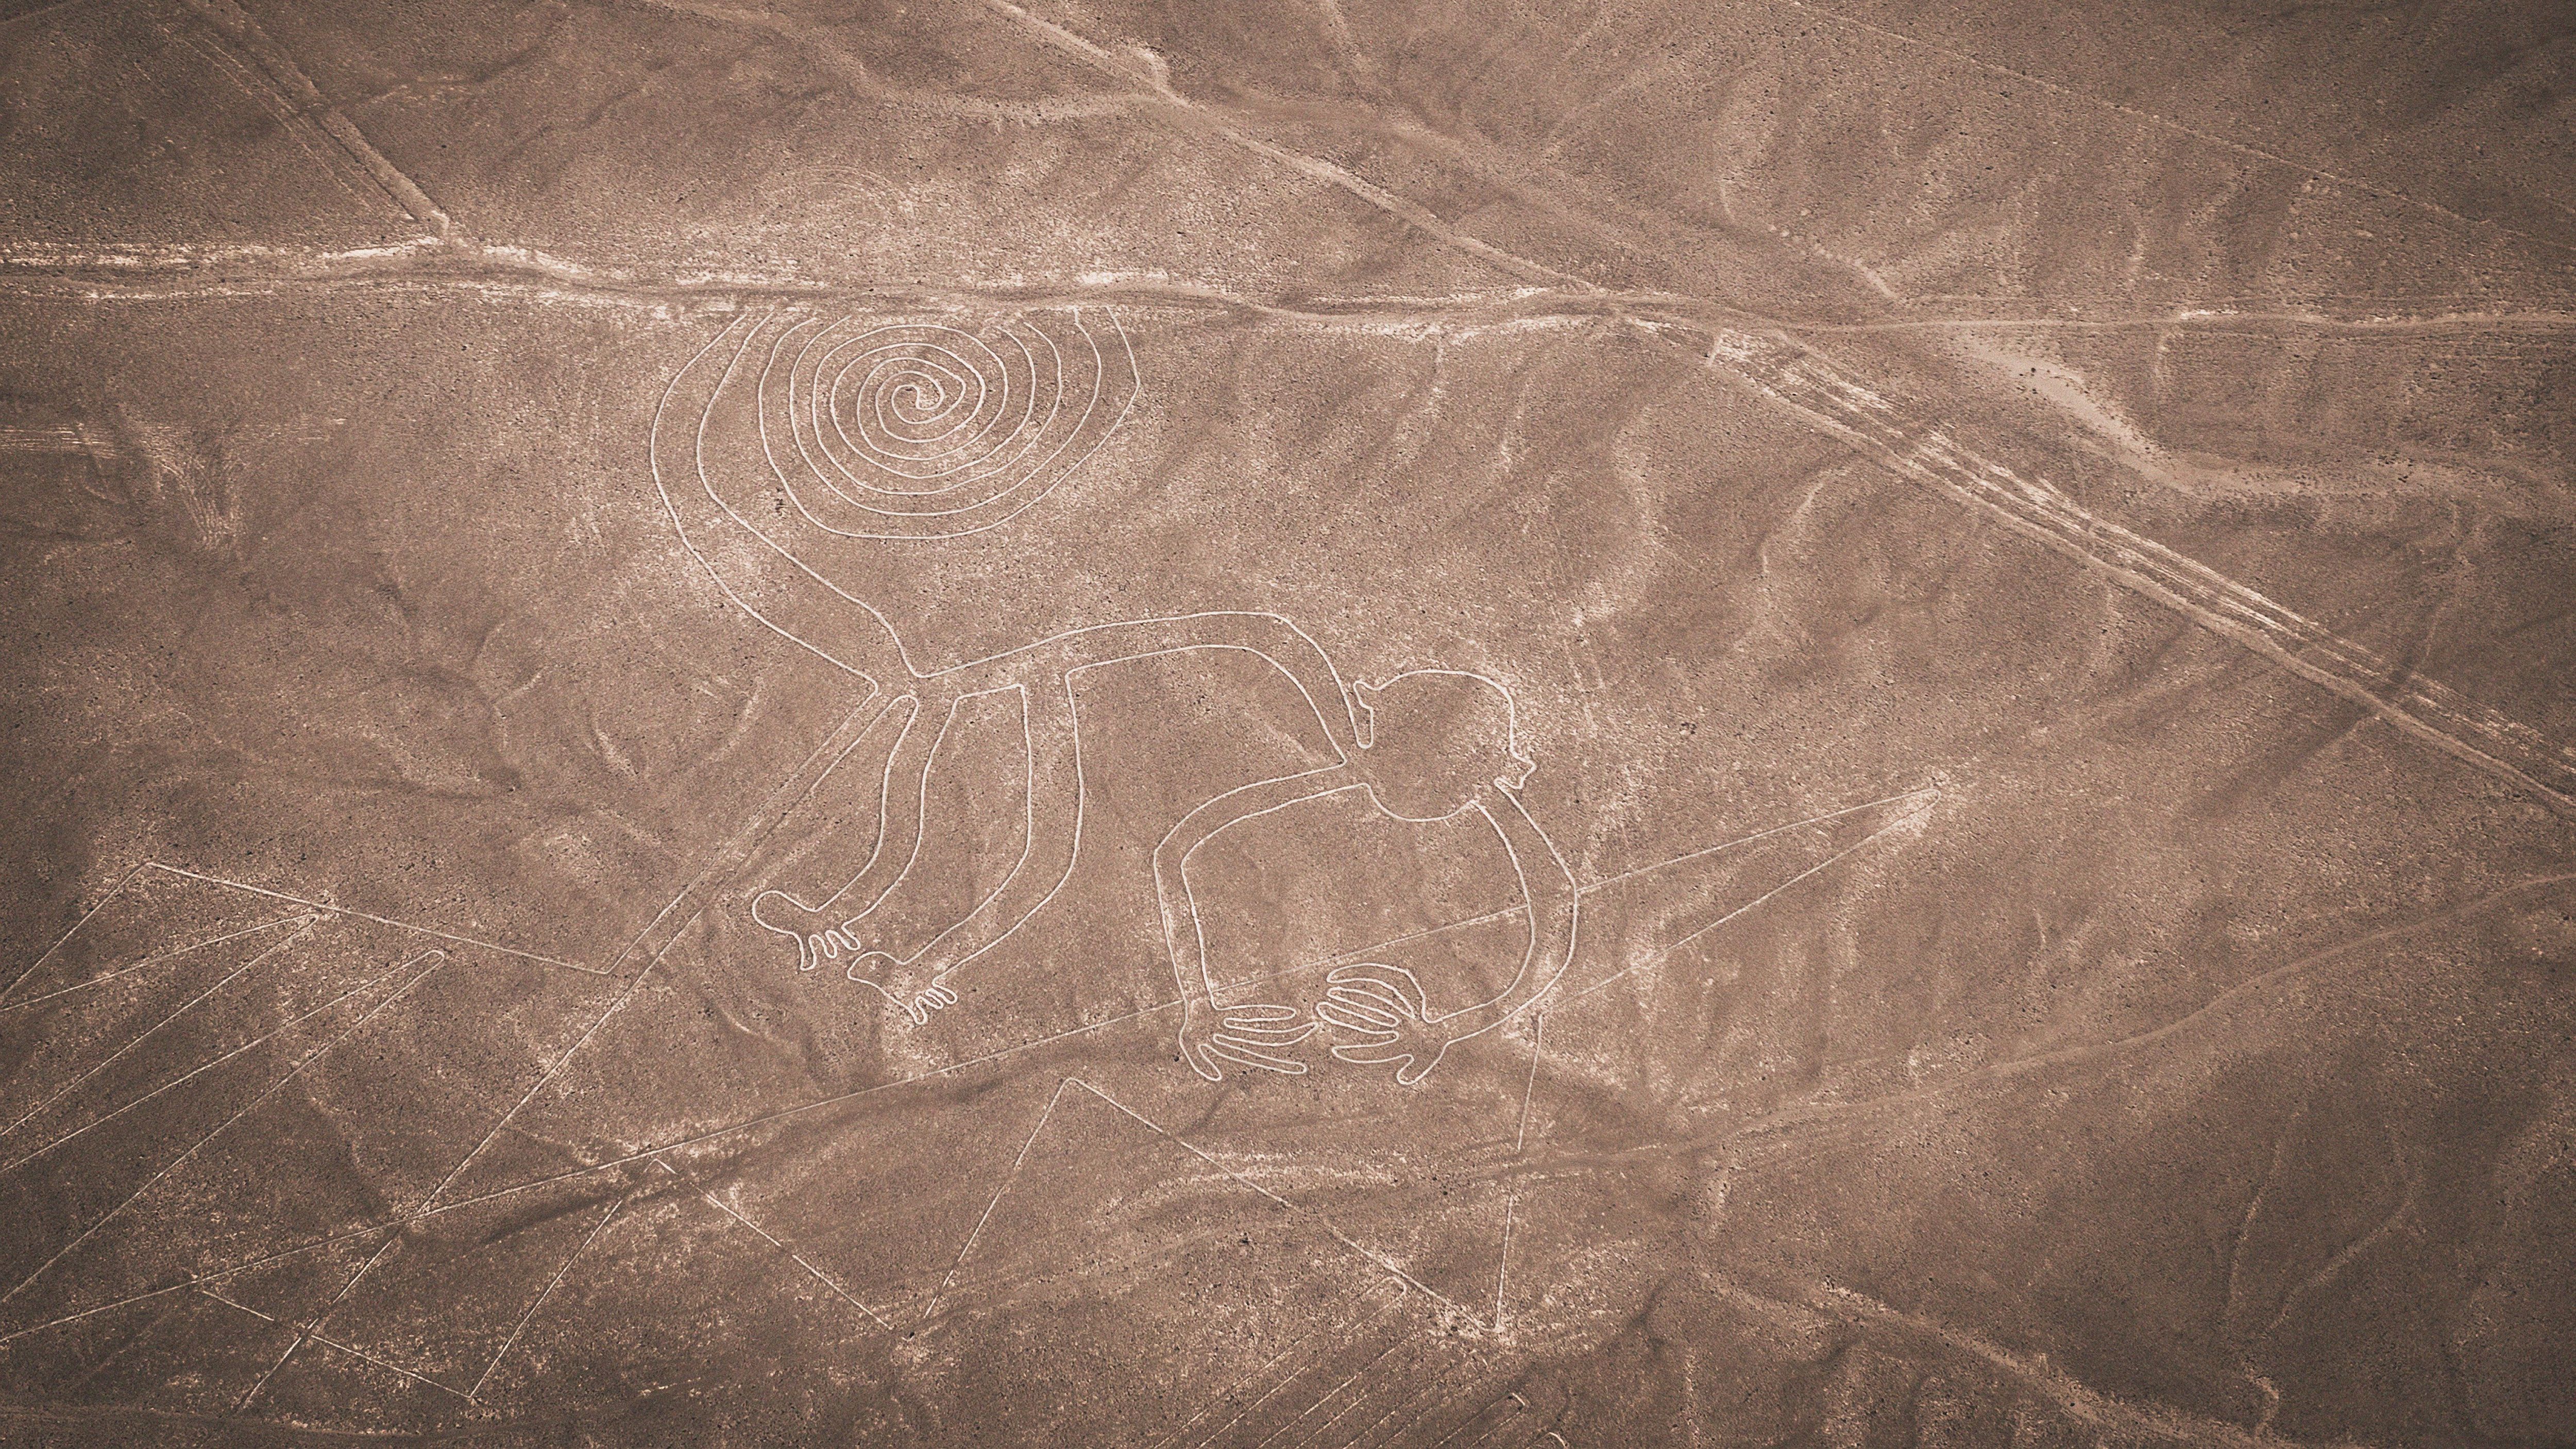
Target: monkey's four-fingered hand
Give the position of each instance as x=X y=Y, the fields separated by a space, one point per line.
x=910 y=987
x=1249 y=1035
x=1384 y=1009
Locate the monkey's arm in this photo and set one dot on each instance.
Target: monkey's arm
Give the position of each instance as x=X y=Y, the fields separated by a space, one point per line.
x=1382 y=1009
x=1554 y=900
x=1272 y=637
x=1247 y=1036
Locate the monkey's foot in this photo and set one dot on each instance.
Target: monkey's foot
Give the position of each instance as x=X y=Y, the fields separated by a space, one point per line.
x=1245 y=1035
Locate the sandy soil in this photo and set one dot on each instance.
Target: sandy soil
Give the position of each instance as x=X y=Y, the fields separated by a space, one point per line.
x=973 y=723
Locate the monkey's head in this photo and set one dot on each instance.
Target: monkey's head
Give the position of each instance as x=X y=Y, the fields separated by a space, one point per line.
x=1432 y=739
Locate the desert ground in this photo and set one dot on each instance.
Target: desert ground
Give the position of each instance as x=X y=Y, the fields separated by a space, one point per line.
x=1079 y=722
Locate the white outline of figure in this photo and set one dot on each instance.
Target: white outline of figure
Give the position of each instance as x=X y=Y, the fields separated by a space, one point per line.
x=947 y=457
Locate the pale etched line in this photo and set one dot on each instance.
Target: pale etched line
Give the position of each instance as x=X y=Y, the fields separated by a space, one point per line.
x=1377 y=196
x=1175 y=1433
x=1385 y=1263
x=197 y=1280
x=522 y=1325
x=2231 y=1331
x=2119 y=1419
x=1923 y=792
x=750 y=838
x=1182 y=1429
x=2210 y=321
x=295 y=126
x=306 y=1331
x=1471 y=1421
x=379 y=920
x=1438 y=1400
x=229 y=1303
x=1354 y=1335
x=112 y=893
x=337 y=1346
x=1665 y=952
x=1335 y=1393
x=1338 y=28
x=1429 y=1409
x=429 y=266
x=2207 y=137
x=1428 y=1388
x=840 y=1099
x=172 y=1165
x=30 y=14
x=1512 y=1426
x=150 y=961
x=2233 y=996
x=1402 y=1393
x=1807 y=385
x=818 y=1274
x=1507 y=912
x=305 y=924
x=282 y=1028
x=236 y=25
x=748 y=1123
x=764 y=1119
x=1360 y=1400
x=1520 y=1145
x=540 y=1085
x=999 y=1193
x=1529 y=1087
x=331 y=1343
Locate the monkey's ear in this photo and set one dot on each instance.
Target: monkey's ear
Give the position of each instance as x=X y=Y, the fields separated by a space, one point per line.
x=1364 y=695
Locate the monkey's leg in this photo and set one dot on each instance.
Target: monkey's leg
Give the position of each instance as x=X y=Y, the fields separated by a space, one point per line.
x=827 y=930
x=1052 y=834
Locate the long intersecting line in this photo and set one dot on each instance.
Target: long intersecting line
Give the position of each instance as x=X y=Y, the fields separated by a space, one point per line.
x=156 y=959
x=522 y=1325
x=282 y=1028
x=1355 y=1334
x=103 y=1063
x=172 y=1165
x=39 y=963
x=305 y=1331
x=842 y=1098
x=819 y=1276
x=999 y=1193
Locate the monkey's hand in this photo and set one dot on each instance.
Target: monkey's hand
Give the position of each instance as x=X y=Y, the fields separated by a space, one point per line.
x=1247 y=1035
x=910 y=987
x=1383 y=1009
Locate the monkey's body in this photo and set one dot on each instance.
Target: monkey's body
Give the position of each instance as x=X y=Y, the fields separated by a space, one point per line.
x=721 y=462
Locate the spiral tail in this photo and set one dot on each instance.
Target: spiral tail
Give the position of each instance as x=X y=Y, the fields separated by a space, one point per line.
x=931 y=430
